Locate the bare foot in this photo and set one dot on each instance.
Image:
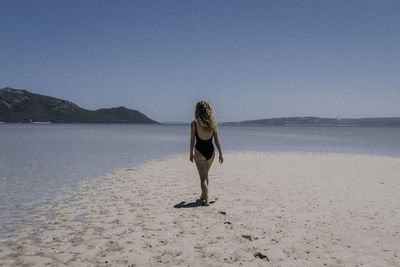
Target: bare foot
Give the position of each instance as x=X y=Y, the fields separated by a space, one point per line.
x=206 y=203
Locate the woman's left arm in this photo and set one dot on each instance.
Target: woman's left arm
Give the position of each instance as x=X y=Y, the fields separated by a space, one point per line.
x=192 y=133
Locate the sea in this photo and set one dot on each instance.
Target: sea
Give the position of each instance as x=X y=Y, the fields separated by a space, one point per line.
x=38 y=160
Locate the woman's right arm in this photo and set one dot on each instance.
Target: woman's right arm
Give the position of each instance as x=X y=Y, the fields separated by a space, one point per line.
x=216 y=140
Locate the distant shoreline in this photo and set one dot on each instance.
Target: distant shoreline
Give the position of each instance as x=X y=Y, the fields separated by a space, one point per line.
x=19 y=105
x=317 y=121
x=220 y=124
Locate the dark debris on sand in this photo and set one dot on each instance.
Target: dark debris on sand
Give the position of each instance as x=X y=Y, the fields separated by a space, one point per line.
x=248 y=237
x=261 y=256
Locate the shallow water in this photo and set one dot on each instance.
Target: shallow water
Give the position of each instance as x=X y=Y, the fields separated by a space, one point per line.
x=36 y=160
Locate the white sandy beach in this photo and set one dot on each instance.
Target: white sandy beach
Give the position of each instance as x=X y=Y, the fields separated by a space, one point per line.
x=270 y=209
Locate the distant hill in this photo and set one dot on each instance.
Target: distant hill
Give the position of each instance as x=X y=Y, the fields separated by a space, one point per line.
x=316 y=121
x=24 y=106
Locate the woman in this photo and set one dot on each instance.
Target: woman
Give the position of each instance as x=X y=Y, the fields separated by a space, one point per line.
x=204 y=128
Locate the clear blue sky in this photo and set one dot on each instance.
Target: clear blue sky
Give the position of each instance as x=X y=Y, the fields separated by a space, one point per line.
x=250 y=59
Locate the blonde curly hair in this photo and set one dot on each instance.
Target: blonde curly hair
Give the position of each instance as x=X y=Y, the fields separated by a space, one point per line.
x=204 y=116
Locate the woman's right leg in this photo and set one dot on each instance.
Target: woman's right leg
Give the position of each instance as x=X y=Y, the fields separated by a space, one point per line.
x=208 y=165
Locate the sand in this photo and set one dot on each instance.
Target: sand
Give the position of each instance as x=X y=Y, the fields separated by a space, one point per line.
x=268 y=209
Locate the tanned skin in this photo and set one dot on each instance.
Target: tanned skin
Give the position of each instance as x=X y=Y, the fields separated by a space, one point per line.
x=202 y=164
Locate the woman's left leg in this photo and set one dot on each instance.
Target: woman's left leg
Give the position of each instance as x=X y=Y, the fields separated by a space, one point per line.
x=201 y=164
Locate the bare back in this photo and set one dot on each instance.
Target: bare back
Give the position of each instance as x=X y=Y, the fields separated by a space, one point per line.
x=202 y=133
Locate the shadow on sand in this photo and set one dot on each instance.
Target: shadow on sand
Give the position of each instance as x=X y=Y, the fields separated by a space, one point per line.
x=198 y=203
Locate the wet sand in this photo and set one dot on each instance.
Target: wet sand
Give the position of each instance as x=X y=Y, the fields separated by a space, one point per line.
x=267 y=209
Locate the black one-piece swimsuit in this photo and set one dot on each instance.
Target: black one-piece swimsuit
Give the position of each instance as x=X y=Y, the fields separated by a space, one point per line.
x=205 y=147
